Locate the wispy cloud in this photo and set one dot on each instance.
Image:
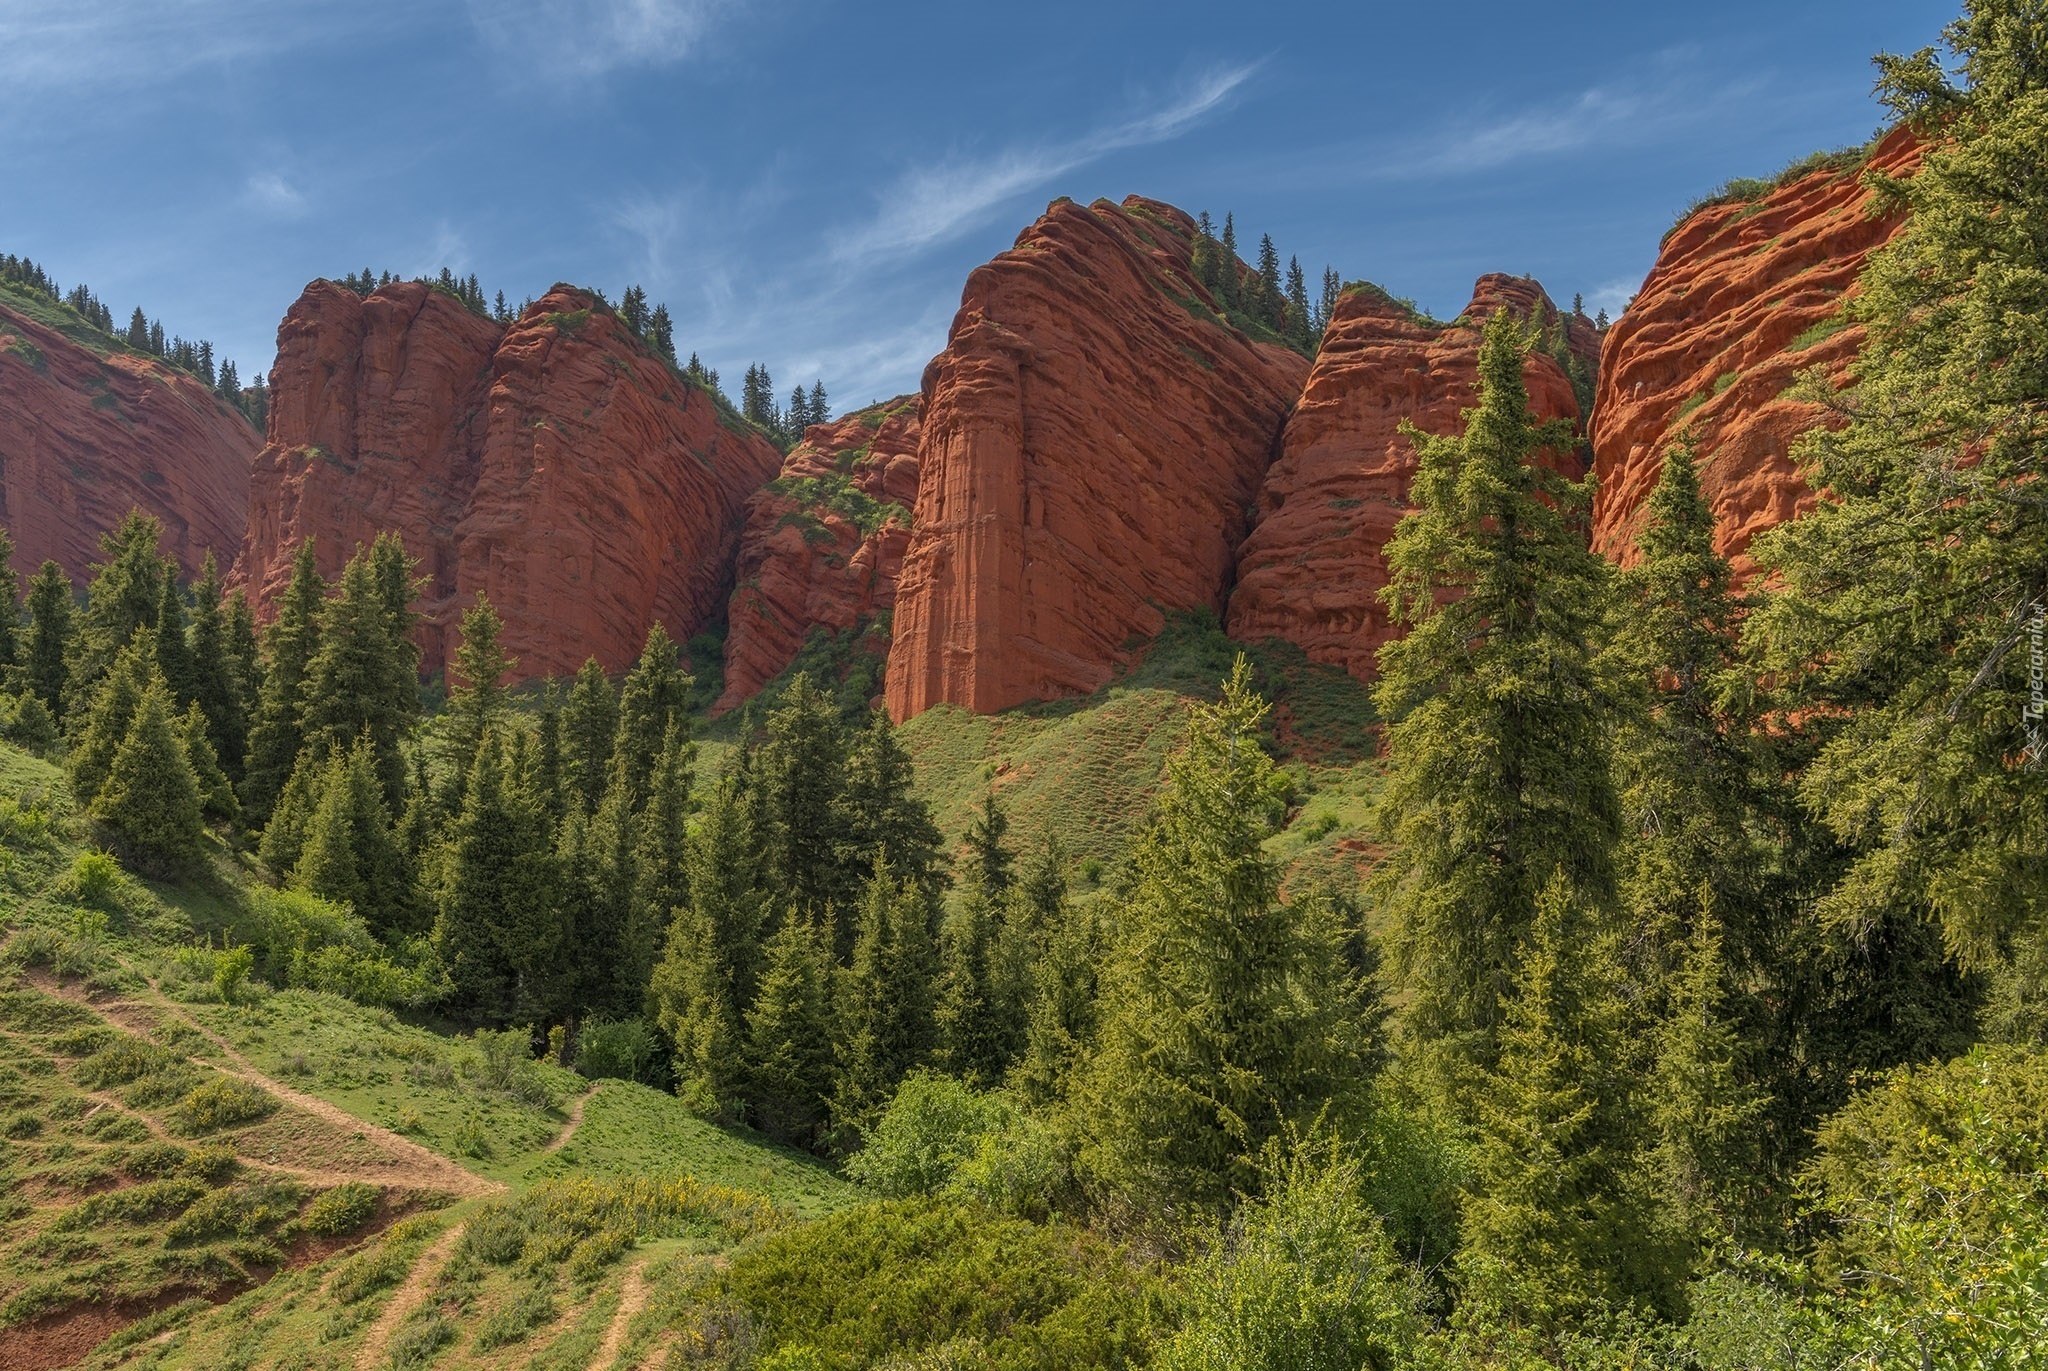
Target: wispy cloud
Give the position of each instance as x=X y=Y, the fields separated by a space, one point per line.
x=932 y=204
x=450 y=249
x=585 y=38
x=51 y=44
x=269 y=193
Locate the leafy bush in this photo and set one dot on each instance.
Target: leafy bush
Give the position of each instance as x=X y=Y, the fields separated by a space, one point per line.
x=512 y=1321
x=912 y=1276
x=123 y=1060
x=154 y=1159
x=343 y=1209
x=111 y=1125
x=95 y=877
x=1301 y=1278
x=211 y=1162
x=505 y=1064
x=932 y=1125
x=315 y=944
x=418 y=1339
x=222 y=1102
x=621 y=1049
x=150 y=1201
x=231 y=966
x=241 y=1211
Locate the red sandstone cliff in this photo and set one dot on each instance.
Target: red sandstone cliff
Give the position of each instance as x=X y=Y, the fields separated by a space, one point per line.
x=1742 y=299
x=86 y=435
x=824 y=542
x=1312 y=569
x=1093 y=439
x=556 y=465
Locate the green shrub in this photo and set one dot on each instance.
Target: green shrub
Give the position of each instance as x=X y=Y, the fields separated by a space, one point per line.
x=22 y=1125
x=1303 y=1277
x=231 y=966
x=222 y=1102
x=111 y=1125
x=932 y=1125
x=211 y=1162
x=155 y=1159
x=513 y=1320
x=1819 y=333
x=124 y=1060
x=94 y=877
x=241 y=1211
x=911 y=1276
x=506 y=1066
x=150 y=1201
x=621 y=1049
x=343 y=1209
x=418 y=1339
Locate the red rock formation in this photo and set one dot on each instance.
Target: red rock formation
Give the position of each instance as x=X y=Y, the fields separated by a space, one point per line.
x=1740 y=301
x=556 y=465
x=823 y=543
x=1312 y=569
x=90 y=430
x=1093 y=440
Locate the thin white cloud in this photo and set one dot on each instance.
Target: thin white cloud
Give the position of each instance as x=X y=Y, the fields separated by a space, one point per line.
x=450 y=249
x=932 y=204
x=586 y=38
x=55 y=44
x=269 y=193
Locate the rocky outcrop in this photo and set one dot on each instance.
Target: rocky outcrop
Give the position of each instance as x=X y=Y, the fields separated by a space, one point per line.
x=556 y=465
x=823 y=544
x=1093 y=439
x=90 y=430
x=1744 y=297
x=1311 y=571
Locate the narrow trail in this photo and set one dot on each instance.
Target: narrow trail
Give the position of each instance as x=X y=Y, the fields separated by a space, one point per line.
x=574 y=1109
x=632 y=1299
x=408 y=1297
x=411 y=1165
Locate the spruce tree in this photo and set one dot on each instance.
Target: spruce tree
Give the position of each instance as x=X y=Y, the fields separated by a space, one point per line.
x=499 y=928
x=661 y=334
x=216 y=686
x=291 y=817
x=151 y=799
x=1228 y=288
x=173 y=649
x=654 y=699
x=278 y=732
x=790 y=1031
x=590 y=721
x=477 y=704
x=1269 y=297
x=1062 y=1015
x=1229 y=1017
x=1556 y=1221
x=978 y=1020
x=10 y=614
x=885 y=998
x=1498 y=764
x=1907 y=599
x=1298 y=322
x=879 y=815
x=1333 y=289
x=49 y=637
x=99 y=731
x=802 y=770
x=138 y=330
x=352 y=682
x=246 y=657
x=609 y=921
x=821 y=412
x=549 y=782
x=1207 y=262
x=216 y=793
x=710 y=969
x=350 y=853
x=661 y=875
x=992 y=861
x=125 y=592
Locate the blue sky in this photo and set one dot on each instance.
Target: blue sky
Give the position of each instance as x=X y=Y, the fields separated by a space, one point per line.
x=808 y=182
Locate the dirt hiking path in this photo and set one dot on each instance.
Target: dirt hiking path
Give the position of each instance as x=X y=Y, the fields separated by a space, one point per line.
x=408 y=1297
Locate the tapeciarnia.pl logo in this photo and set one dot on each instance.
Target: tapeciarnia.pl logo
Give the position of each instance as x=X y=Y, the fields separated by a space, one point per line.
x=2037 y=679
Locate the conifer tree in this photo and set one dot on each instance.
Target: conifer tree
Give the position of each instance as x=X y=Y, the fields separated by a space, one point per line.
x=291 y=818
x=1269 y=297
x=654 y=699
x=99 y=731
x=992 y=861
x=10 y=614
x=1555 y=1223
x=1910 y=594
x=1333 y=288
x=1062 y=1017
x=124 y=594
x=398 y=588
x=215 y=684
x=352 y=682
x=499 y=928
x=246 y=657
x=549 y=784
x=821 y=412
x=49 y=637
x=633 y=311
x=608 y=920
x=216 y=794
x=661 y=334
x=278 y=732
x=802 y=768
x=790 y=1031
x=977 y=1015
x=1228 y=1016
x=710 y=970
x=1298 y=322
x=477 y=704
x=1706 y=1154
x=885 y=998
x=661 y=874
x=880 y=817
x=173 y=649
x=1497 y=742
x=349 y=853
x=138 y=330
x=1207 y=262
x=798 y=414
x=590 y=721
x=1230 y=289
x=151 y=799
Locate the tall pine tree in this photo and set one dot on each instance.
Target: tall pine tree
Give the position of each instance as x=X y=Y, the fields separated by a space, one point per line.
x=50 y=633
x=278 y=733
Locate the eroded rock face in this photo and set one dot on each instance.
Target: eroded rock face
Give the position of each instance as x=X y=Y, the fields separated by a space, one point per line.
x=557 y=466
x=1093 y=441
x=1311 y=571
x=1743 y=297
x=85 y=437
x=823 y=543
